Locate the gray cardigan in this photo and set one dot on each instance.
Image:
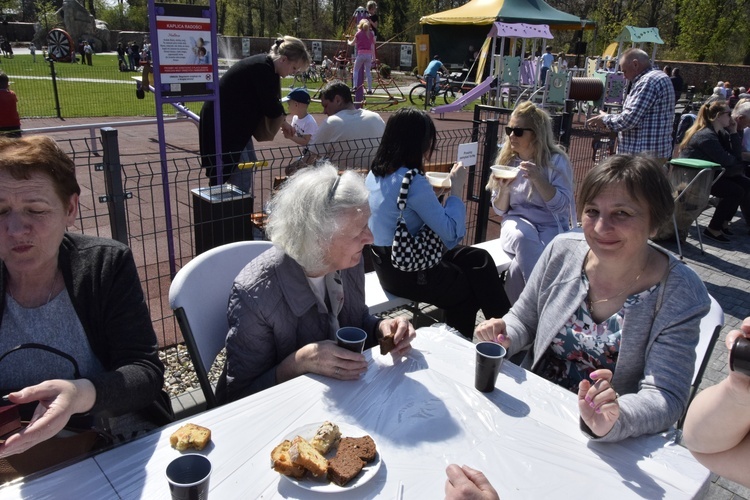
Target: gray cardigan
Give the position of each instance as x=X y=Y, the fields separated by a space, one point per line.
x=657 y=354
x=274 y=312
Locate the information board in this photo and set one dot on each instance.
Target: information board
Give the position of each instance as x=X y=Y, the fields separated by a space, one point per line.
x=186 y=57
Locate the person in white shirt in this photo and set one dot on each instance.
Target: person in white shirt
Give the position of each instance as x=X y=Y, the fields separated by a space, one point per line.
x=348 y=138
x=303 y=124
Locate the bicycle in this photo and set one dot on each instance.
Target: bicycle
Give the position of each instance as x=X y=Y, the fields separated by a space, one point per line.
x=303 y=77
x=448 y=88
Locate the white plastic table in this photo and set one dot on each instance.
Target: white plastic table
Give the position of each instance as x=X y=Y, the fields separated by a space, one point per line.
x=424 y=413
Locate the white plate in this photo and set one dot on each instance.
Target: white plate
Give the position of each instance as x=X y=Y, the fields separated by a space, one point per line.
x=439 y=179
x=504 y=171
x=321 y=484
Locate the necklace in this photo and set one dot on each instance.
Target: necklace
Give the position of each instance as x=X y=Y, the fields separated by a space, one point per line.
x=49 y=296
x=592 y=303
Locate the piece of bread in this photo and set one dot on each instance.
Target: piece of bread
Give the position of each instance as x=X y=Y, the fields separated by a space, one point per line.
x=190 y=436
x=345 y=466
x=362 y=447
x=386 y=343
x=304 y=455
x=282 y=462
x=327 y=435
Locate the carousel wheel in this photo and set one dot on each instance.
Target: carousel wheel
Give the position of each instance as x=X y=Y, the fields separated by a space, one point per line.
x=60 y=45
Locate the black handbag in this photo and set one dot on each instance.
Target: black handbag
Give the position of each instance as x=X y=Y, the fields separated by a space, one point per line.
x=68 y=444
x=413 y=253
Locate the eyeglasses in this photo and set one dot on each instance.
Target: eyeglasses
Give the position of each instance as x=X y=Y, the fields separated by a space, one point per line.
x=332 y=191
x=517 y=131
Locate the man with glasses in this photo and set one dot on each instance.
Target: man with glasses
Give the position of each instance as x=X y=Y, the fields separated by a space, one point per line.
x=645 y=123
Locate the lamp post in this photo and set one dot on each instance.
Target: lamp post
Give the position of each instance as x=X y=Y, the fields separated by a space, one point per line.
x=296 y=27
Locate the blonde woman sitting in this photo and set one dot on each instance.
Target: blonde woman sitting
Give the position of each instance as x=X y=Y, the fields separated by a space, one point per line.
x=538 y=203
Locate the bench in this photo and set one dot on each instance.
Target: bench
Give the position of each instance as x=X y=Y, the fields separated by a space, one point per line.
x=378 y=300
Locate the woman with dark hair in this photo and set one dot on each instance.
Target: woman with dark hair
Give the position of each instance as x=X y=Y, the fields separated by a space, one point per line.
x=607 y=314
x=466 y=278
x=714 y=137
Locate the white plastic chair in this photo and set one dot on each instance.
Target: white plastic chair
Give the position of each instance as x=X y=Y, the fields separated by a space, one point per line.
x=199 y=296
x=711 y=326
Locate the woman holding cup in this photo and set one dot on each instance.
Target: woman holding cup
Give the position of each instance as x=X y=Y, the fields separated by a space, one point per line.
x=287 y=304
x=717 y=426
x=538 y=203
x=608 y=315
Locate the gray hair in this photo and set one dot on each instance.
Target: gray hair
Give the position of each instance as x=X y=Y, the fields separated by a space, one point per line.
x=634 y=53
x=310 y=208
x=741 y=109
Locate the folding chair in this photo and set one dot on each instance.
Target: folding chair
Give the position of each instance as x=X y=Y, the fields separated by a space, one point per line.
x=199 y=296
x=711 y=326
x=705 y=168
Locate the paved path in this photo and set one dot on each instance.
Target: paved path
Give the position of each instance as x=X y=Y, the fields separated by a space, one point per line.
x=725 y=269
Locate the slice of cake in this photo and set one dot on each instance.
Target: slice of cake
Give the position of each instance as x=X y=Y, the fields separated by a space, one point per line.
x=344 y=467
x=281 y=461
x=387 y=344
x=326 y=436
x=304 y=455
x=362 y=447
x=190 y=436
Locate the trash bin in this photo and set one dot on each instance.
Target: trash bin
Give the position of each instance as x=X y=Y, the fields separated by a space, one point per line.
x=221 y=214
x=691 y=181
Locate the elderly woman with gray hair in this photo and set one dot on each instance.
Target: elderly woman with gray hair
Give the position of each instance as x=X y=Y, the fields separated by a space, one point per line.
x=287 y=304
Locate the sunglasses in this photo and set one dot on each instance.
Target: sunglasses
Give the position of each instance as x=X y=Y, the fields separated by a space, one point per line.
x=517 y=131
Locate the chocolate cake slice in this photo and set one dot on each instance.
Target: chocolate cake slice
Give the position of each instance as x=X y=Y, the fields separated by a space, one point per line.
x=344 y=467
x=362 y=447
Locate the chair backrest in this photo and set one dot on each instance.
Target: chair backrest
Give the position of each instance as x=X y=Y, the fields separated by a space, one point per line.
x=199 y=296
x=711 y=326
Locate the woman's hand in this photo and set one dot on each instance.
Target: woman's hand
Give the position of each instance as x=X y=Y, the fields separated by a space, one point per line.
x=530 y=170
x=492 y=330
x=597 y=402
x=465 y=483
x=459 y=174
x=499 y=185
x=58 y=400
x=403 y=332
x=327 y=358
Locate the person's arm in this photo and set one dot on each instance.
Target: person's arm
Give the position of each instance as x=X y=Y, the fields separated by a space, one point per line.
x=562 y=182
x=122 y=334
x=253 y=361
x=449 y=221
x=717 y=425
x=58 y=401
x=711 y=148
x=668 y=370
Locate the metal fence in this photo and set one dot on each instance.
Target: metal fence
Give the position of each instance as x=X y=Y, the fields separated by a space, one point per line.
x=167 y=220
x=66 y=90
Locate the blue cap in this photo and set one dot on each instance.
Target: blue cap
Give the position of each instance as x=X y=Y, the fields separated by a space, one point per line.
x=299 y=95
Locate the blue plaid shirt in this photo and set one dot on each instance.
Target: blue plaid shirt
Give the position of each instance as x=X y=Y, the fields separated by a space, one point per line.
x=645 y=124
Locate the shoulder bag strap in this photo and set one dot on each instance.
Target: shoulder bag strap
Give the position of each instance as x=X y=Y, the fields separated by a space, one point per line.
x=404 y=191
x=34 y=345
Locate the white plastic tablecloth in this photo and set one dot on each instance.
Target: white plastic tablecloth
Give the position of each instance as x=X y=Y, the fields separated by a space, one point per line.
x=423 y=413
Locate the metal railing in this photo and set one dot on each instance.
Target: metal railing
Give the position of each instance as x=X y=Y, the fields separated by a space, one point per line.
x=123 y=198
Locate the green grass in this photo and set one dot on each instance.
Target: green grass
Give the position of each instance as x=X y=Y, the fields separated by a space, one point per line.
x=102 y=90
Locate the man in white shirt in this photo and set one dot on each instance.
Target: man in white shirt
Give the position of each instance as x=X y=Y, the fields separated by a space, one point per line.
x=349 y=137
